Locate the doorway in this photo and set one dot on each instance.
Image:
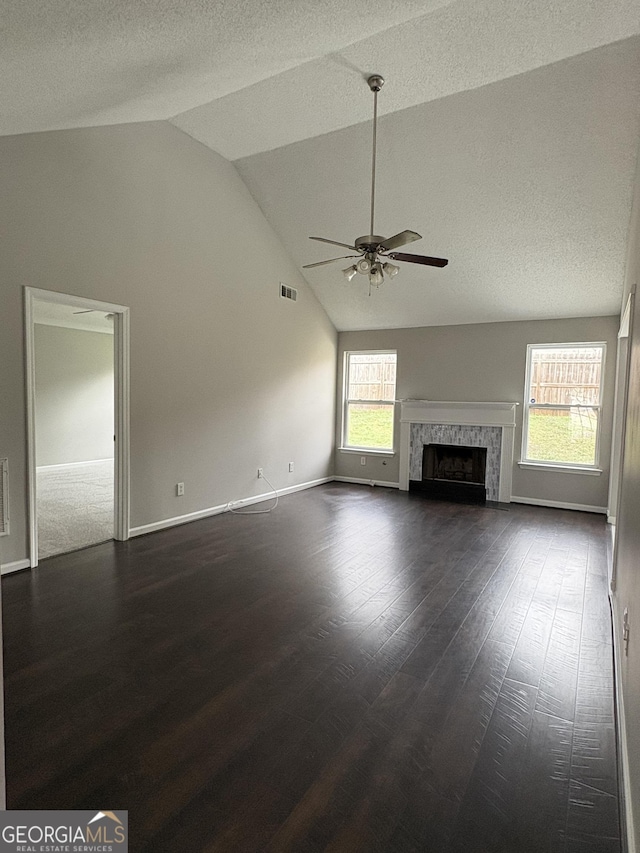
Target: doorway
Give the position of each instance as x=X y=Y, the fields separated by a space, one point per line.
x=78 y=422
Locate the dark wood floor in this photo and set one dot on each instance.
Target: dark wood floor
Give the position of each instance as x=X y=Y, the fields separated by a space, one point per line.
x=361 y=670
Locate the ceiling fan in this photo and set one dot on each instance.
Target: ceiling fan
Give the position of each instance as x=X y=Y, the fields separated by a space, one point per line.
x=375 y=253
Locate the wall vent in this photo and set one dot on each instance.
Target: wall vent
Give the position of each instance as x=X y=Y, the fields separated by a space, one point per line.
x=287 y=292
x=4 y=497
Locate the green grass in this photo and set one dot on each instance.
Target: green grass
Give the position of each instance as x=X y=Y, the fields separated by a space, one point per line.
x=551 y=438
x=561 y=439
x=370 y=427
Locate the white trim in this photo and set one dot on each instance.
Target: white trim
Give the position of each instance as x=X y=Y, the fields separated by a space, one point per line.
x=567 y=469
x=625 y=323
x=346 y=400
x=559 y=504
x=121 y=360
x=618 y=436
x=72 y=464
x=217 y=510
x=75 y=301
x=361 y=481
x=502 y=414
x=31 y=427
x=366 y=451
x=526 y=409
x=121 y=378
x=623 y=742
x=16 y=566
x=4 y=485
x=457 y=413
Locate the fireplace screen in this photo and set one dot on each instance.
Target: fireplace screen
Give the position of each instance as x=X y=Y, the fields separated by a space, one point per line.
x=454 y=463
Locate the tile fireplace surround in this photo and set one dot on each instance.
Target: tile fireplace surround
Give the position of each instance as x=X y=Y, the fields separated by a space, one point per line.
x=490 y=425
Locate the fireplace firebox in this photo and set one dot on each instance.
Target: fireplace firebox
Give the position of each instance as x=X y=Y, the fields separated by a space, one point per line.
x=453 y=472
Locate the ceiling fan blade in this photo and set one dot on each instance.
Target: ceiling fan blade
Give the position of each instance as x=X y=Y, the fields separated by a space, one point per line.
x=419 y=259
x=400 y=239
x=330 y=261
x=334 y=243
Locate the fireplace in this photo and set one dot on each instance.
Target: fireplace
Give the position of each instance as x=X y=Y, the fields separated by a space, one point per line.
x=477 y=425
x=453 y=472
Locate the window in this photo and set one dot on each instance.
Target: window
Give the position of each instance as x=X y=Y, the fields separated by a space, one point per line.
x=369 y=395
x=563 y=394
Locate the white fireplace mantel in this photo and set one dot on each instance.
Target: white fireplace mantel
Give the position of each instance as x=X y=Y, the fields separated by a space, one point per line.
x=460 y=414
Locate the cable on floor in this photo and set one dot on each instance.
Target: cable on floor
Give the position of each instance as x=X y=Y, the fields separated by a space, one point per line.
x=256 y=511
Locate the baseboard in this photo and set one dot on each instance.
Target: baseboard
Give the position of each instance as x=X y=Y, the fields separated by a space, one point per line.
x=363 y=481
x=16 y=566
x=621 y=732
x=216 y=510
x=559 y=505
x=73 y=464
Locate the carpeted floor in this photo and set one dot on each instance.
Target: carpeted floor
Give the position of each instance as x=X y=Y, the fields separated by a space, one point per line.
x=75 y=506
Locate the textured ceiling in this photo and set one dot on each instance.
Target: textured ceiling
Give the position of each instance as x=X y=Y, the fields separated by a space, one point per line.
x=508 y=135
x=525 y=185
x=74 y=63
x=461 y=46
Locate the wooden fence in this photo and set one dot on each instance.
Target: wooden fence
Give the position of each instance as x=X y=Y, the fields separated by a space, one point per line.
x=372 y=377
x=566 y=377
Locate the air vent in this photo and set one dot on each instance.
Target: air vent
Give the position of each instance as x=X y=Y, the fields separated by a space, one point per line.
x=287 y=292
x=4 y=497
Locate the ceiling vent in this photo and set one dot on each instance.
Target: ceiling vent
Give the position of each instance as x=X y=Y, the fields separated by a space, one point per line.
x=4 y=497
x=287 y=292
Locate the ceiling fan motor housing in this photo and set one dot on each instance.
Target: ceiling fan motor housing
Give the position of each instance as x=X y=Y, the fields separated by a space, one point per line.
x=369 y=242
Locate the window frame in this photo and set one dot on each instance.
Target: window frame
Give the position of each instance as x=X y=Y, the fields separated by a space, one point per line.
x=344 y=445
x=581 y=467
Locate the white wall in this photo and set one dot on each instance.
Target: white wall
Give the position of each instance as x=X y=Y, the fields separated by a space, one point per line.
x=74 y=395
x=485 y=363
x=225 y=375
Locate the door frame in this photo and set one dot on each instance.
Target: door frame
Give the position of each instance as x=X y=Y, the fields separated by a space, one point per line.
x=618 y=436
x=121 y=360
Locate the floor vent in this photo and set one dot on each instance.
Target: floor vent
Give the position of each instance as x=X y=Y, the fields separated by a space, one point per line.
x=4 y=497
x=287 y=292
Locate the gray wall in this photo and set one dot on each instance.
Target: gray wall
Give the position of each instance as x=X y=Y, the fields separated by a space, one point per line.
x=225 y=375
x=627 y=564
x=74 y=395
x=485 y=363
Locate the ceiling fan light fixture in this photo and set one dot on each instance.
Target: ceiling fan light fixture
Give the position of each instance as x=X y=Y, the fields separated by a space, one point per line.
x=350 y=272
x=376 y=276
x=391 y=269
x=364 y=266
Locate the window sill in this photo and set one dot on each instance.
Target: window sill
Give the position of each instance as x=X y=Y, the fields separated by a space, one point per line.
x=568 y=469
x=366 y=451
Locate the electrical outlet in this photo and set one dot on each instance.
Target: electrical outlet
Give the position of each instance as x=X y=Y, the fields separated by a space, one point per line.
x=180 y=490
x=260 y=473
x=363 y=460
x=291 y=467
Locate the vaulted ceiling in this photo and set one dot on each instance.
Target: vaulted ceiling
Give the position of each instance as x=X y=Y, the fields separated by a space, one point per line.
x=508 y=135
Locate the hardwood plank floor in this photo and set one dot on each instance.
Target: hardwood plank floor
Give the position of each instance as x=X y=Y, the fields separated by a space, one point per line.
x=360 y=670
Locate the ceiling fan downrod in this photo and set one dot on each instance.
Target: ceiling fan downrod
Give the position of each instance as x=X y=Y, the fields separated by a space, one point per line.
x=376 y=82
